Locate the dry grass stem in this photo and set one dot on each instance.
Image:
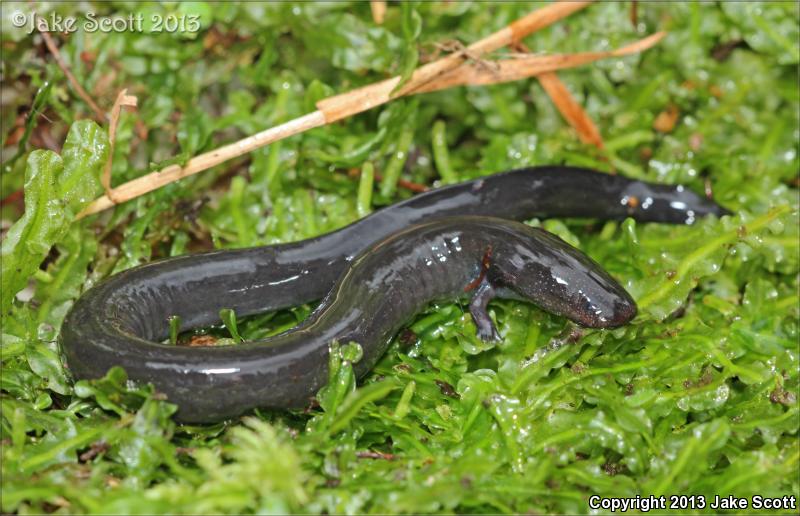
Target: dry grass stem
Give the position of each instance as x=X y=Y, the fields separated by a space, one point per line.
x=570 y=109
x=172 y=173
x=566 y=104
x=367 y=97
x=51 y=46
x=378 y=8
x=337 y=107
x=523 y=67
x=447 y=72
x=123 y=99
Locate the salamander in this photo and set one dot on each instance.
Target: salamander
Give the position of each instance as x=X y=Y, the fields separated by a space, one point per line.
x=372 y=275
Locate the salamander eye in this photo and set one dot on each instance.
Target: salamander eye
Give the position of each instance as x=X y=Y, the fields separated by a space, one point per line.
x=587 y=312
x=589 y=309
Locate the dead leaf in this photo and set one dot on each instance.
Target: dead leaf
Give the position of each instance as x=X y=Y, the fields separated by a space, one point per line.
x=666 y=120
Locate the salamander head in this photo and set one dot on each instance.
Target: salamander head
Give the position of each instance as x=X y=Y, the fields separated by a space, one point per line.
x=667 y=203
x=564 y=281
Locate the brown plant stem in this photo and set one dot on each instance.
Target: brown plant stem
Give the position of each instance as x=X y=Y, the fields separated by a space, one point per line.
x=566 y=104
x=378 y=8
x=154 y=180
x=522 y=67
x=367 y=97
x=340 y=106
x=468 y=74
x=51 y=46
x=570 y=109
x=402 y=183
x=123 y=99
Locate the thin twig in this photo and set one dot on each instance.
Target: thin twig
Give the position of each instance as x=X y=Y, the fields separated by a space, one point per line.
x=408 y=185
x=520 y=68
x=365 y=98
x=454 y=45
x=378 y=8
x=402 y=183
x=369 y=454
x=51 y=46
x=468 y=74
x=123 y=99
x=340 y=106
x=569 y=108
x=154 y=180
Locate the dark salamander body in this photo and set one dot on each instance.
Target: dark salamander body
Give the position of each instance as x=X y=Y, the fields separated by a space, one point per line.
x=384 y=275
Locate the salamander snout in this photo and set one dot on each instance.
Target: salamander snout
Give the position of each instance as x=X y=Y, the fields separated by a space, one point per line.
x=562 y=280
x=613 y=314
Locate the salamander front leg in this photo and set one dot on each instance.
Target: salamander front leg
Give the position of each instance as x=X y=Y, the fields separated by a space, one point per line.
x=477 y=308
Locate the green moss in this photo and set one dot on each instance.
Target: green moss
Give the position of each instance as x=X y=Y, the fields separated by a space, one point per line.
x=699 y=395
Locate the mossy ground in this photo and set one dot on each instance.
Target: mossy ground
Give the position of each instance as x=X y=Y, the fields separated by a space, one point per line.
x=697 y=396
